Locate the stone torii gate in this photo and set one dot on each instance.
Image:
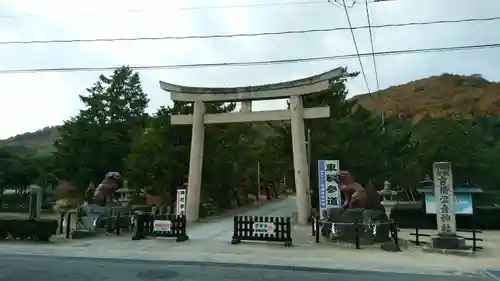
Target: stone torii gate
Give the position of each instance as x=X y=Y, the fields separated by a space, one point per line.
x=294 y=90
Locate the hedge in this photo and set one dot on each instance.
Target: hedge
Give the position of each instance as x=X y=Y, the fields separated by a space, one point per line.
x=408 y=216
x=29 y=229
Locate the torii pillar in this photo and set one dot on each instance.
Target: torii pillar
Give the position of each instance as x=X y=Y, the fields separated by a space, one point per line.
x=294 y=90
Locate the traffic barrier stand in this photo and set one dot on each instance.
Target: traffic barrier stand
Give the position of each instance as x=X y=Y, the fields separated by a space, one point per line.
x=259 y=228
x=164 y=225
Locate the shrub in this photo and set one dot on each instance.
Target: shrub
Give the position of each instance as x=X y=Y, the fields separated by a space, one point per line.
x=63 y=205
x=32 y=229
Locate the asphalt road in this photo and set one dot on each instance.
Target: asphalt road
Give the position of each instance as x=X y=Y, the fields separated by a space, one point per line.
x=35 y=268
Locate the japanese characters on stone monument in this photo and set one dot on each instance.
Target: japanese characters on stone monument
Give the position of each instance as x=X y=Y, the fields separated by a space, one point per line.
x=443 y=191
x=329 y=192
x=181 y=202
x=332 y=187
x=321 y=189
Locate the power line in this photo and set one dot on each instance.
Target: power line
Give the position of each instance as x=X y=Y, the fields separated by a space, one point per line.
x=356 y=47
x=54 y=41
x=340 y=5
x=374 y=62
x=372 y=46
x=252 y=63
x=193 y=8
x=197 y=8
x=382 y=113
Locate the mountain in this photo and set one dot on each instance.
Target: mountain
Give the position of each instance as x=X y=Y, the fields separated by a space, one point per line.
x=41 y=141
x=437 y=96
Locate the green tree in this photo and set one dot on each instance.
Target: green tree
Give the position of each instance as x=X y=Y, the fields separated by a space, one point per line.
x=150 y=161
x=98 y=139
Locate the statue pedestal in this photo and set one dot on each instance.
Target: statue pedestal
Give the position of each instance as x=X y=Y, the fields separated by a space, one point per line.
x=448 y=242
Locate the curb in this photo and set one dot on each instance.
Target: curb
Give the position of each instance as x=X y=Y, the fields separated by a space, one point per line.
x=492 y=275
x=232 y=260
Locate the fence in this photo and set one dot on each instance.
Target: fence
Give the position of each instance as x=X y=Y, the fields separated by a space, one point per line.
x=164 y=225
x=355 y=232
x=418 y=234
x=258 y=228
x=15 y=202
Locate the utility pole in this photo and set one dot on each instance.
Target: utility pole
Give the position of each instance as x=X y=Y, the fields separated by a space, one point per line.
x=308 y=142
x=309 y=166
x=258 y=181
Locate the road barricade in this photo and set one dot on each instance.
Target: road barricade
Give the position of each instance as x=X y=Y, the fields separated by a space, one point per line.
x=164 y=225
x=262 y=228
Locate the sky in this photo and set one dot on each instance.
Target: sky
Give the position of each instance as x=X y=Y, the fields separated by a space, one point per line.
x=31 y=101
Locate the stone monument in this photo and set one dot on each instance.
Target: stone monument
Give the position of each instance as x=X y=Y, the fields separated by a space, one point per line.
x=445 y=209
x=35 y=201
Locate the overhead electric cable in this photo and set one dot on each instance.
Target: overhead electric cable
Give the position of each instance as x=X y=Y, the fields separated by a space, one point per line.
x=372 y=47
x=356 y=47
x=53 y=41
x=251 y=63
x=193 y=8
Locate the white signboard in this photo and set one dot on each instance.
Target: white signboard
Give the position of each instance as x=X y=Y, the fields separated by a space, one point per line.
x=443 y=190
x=162 y=225
x=180 y=208
x=263 y=228
x=329 y=192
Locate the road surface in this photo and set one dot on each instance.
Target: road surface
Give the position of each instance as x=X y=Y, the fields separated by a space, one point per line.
x=222 y=229
x=32 y=268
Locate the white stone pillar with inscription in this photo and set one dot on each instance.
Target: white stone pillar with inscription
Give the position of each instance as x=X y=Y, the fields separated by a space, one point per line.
x=195 y=162
x=445 y=199
x=445 y=208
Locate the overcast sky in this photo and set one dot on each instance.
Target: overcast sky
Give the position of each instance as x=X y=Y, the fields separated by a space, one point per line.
x=32 y=101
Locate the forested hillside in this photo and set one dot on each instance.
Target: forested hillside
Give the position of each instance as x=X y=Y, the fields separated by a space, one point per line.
x=437 y=96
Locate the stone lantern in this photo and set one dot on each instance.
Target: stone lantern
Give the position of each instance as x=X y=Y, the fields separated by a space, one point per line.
x=124 y=194
x=387 y=197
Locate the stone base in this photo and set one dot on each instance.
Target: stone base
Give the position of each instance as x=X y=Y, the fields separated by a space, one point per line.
x=456 y=252
x=448 y=242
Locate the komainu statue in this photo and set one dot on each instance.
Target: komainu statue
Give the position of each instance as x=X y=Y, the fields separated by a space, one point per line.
x=105 y=193
x=362 y=206
x=100 y=200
